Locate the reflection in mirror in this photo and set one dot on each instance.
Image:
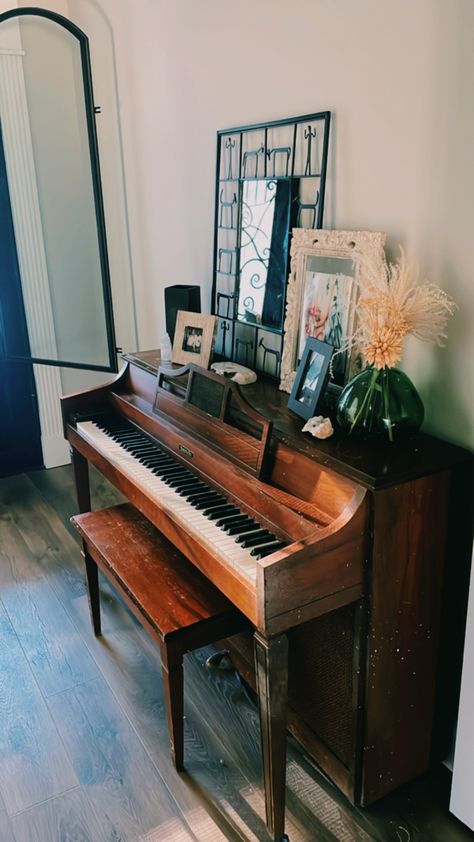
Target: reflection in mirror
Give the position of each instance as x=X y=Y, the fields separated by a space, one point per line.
x=47 y=122
x=327 y=306
x=263 y=250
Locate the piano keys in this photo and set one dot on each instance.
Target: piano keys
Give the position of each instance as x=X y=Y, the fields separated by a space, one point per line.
x=330 y=549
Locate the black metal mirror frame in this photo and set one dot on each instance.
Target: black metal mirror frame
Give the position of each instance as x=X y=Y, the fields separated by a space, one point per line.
x=90 y=110
x=228 y=321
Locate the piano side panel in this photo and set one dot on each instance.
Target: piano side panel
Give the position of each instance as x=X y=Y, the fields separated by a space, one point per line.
x=89 y=400
x=407 y=576
x=328 y=570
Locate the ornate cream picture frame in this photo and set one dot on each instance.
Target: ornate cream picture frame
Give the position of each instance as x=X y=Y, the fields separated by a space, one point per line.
x=322 y=293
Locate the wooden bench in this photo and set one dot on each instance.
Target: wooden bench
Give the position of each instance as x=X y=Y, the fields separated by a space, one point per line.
x=175 y=603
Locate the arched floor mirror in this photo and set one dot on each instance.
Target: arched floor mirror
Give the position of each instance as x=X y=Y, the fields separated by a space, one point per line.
x=55 y=299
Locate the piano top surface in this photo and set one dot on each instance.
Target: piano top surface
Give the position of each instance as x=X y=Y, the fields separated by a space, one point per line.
x=374 y=464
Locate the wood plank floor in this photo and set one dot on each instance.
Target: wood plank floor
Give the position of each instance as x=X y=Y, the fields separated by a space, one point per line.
x=83 y=739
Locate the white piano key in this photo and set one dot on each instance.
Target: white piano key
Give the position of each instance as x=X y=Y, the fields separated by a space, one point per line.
x=193 y=520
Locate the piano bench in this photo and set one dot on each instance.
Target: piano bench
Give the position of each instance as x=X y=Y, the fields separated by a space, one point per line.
x=178 y=606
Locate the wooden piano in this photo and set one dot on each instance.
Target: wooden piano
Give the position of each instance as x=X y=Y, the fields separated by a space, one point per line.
x=333 y=550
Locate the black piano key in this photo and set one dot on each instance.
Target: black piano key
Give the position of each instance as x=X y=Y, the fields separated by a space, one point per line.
x=175 y=477
x=156 y=460
x=241 y=526
x=126 y=437
x=152 y=462
x=138 y=449
x=216 y=511
x=134 y=449
x=231 y=520
x=241 y=530
x=260 y=537
x=157 y=470
x=184 y=491
x=173 y=481
x=207 y=500
x=196 y=496
x=188 y=483
x=115 y=426
x=267 y=549
x=150 y=450
x=146 y=457
x=194 y=484
x=170 y=471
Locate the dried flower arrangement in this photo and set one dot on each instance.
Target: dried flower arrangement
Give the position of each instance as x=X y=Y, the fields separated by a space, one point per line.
x=392 y=305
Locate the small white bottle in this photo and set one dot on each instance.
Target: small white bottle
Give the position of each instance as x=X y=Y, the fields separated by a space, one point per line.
x=165 y=349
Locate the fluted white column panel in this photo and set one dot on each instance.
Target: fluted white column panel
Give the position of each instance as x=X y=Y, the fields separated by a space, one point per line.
x=31 y=252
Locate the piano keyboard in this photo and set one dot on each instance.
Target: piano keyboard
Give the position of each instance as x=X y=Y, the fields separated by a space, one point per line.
x=231 y=534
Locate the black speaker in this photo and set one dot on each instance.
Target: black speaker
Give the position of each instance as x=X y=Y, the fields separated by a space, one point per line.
x=180 y=297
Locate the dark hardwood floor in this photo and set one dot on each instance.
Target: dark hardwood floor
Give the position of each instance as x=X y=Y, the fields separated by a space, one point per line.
x=83 y=739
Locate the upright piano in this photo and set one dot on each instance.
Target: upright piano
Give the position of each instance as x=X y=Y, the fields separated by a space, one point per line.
x=333 y=550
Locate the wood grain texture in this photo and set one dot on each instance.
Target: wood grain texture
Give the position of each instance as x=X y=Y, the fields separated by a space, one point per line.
x=308 y=796
x=169 y=591
x=42 y=518
x=130 y=663
x=221 y=794
x=6 y=831
x=271 y=665
x=111 y=763
x=57 y=658
x=33 y=763
x=44 y=532
x=371 y=463
x=65 y=818
x=407 y=578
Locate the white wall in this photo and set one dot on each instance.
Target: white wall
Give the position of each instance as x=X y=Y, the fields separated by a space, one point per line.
x=397 y=76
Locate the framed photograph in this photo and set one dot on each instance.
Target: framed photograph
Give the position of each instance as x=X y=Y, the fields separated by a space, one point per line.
x=311 y=378
x=323 y=287
x=193 y=338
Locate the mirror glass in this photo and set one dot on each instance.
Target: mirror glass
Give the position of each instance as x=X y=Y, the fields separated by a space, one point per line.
x=327 y=306
x=263 y=250
x=48 y=129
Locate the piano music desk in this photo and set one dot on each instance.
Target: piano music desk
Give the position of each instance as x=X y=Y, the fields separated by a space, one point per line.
x=179 y=608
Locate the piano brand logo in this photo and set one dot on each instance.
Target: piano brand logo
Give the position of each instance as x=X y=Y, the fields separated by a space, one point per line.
x=186 y=450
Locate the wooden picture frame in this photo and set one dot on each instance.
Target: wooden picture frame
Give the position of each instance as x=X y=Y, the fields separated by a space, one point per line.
x=311 y=378
x=323 y=287
x=193 y=338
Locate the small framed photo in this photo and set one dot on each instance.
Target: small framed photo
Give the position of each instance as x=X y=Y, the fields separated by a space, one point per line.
x=311 y=378
x=193 y=338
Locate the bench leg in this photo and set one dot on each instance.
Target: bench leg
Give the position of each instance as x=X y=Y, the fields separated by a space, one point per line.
x=172 y=668
x=92 y=574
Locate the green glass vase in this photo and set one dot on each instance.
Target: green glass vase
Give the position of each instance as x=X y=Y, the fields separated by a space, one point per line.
x=380 y=403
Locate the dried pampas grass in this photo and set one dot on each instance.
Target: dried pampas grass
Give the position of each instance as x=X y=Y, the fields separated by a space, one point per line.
x=392 y=305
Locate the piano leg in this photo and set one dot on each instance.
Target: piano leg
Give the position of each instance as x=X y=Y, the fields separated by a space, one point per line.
x=81 y=476
x=271 y=663
x=172 y=671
